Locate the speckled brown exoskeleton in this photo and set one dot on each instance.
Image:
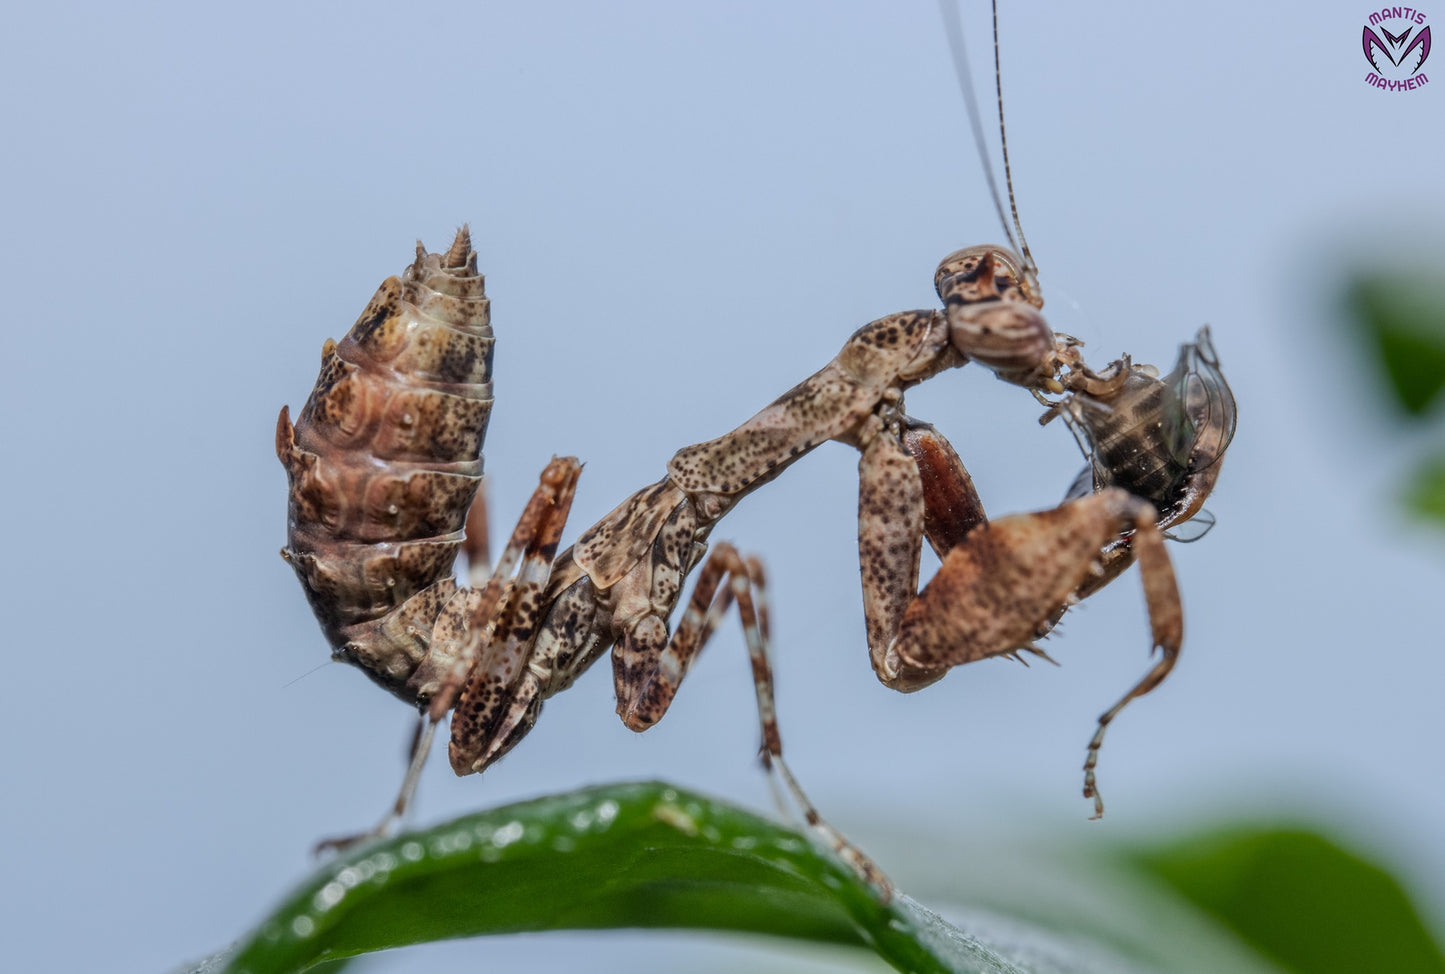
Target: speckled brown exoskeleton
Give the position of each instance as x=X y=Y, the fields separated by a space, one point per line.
x=385 y=458
x=384 y=462
x=1154 y=446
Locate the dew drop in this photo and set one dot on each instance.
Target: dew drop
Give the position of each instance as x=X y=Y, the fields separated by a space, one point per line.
x=507 y=834
x=328 y=896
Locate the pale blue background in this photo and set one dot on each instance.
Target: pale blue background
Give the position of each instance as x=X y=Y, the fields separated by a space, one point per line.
x=681 y=210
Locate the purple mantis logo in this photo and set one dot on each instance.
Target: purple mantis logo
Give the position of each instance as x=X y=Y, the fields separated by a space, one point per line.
x=1397 y=56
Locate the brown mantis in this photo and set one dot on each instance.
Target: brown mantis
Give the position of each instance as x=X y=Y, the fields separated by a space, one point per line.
x=385 y=457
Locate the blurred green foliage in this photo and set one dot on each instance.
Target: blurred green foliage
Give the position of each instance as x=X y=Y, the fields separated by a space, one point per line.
x=1402 y=317
x=1301 y=900
x=1426 y=493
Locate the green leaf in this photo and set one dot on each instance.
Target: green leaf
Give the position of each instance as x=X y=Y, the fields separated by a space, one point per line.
x=618 y=856
x=650 y=855
x=1308 y=904
x=1403 y=317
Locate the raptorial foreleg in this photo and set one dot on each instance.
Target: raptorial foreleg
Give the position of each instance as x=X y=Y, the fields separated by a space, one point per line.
x=471 y=621
x=1007 y=581
x=951 y=506
x=477 y=546
x=496 y=696
x=1001 y=586
x=1166 y=621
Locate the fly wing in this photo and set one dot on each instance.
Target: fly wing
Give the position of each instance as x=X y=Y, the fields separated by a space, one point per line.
x=1199 y=413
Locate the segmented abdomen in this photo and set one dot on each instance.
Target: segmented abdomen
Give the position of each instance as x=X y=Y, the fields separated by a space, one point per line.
x=1159 y=438
x=385 y=459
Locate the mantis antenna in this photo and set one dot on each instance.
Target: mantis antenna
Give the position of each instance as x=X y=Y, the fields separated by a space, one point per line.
x=953 y=28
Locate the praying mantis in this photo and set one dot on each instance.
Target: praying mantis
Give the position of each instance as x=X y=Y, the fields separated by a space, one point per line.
x=384 y=461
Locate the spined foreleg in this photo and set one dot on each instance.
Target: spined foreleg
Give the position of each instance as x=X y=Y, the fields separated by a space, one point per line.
x=474 y=618
x=487 y=679
x=1006 y=582
x=1166 y=620
x=1001 y=585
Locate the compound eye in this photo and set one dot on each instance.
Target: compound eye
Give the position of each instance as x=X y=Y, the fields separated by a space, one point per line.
x=966 y=268
x=978 y=274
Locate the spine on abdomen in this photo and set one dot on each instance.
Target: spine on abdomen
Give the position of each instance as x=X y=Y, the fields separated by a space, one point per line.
x=384 y=461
